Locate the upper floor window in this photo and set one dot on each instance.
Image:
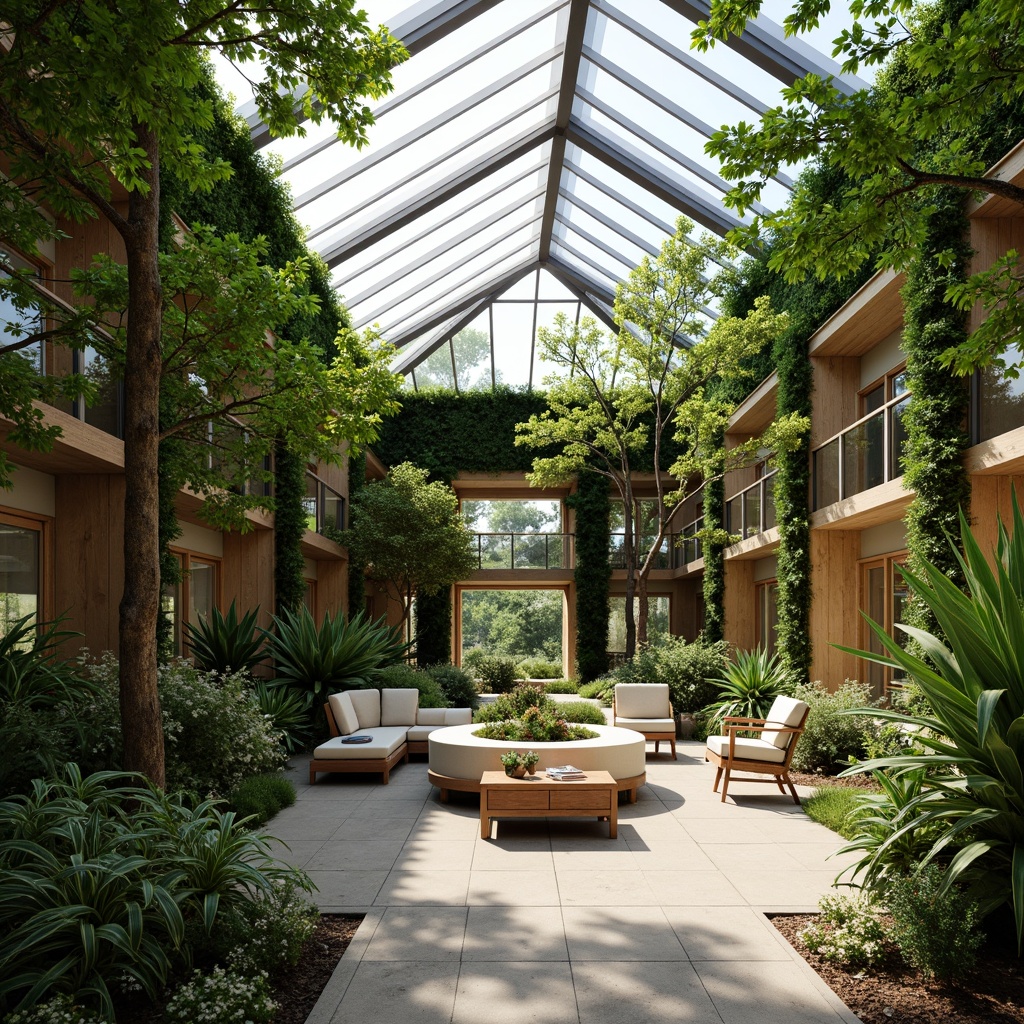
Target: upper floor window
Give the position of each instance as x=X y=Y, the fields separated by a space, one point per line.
x=21 y=577
x=17 y=321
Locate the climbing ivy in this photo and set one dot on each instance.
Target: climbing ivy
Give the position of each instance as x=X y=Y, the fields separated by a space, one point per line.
x=593 y=573
x=356 y=568
x=433 y=629
x=289 y=528
x=713 y=581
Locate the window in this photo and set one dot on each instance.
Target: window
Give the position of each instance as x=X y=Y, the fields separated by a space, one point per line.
x=998 y=400
x=26 y=321
x=324 y=506
x=22 y=580
x=194 y=597
x=884 y=596
x=767 y=615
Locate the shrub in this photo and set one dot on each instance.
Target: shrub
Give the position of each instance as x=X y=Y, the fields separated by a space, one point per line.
x=59 y=1010
x=288 y=710
x=405 y=677
x=748 y=686
x=580 y=711
x=691 y=671
x=225 y=643
x=457 y=686
x=261 y=797
x=848 y=931
x=538 y=668
x=157 y=869
x=336 y=655
x=227 y=997
x=514 y=704
x=497 y=674
x=935 y=929
x=542 y=725
x=973 y=682
x=214 y=730
x=831 y=735
x=562 y=686
x=599 y=689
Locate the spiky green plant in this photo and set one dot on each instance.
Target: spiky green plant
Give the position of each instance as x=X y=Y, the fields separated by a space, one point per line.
x=225 y=643
x=337 y=655
x=31 y=670
x=290 y=712
x=748 y=686
x=972 y=790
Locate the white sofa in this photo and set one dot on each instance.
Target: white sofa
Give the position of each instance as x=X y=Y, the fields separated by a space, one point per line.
x=395 y=721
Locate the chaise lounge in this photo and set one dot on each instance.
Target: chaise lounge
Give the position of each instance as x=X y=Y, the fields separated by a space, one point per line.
x=394 y=721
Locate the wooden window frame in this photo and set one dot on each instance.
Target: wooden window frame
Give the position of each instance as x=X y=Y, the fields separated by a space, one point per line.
x=43 y=525
x=186 y=557
x=888 y=563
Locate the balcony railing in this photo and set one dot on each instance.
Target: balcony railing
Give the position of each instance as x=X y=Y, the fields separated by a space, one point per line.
x=862 y=456
x=324 y=506
x=752 y=510
x=523 y=550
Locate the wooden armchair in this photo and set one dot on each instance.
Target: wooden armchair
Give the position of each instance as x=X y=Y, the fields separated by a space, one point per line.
x=770 y=753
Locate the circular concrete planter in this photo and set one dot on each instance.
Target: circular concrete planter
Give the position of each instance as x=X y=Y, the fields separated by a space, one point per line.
x=457 y=758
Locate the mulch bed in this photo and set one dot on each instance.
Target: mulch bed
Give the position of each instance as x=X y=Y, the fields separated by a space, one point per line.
x=894 y=993
x=822 y=781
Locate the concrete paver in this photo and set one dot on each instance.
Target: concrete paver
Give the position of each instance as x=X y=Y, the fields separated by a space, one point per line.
x=551 y=921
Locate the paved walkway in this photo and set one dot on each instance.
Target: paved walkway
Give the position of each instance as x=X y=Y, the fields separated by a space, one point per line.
x=554 y=922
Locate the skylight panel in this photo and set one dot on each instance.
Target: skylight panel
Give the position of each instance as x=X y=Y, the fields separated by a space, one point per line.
x=551 y=288
x=472 y=347
x=526 y=288
x=513 y=342
x=628 y=250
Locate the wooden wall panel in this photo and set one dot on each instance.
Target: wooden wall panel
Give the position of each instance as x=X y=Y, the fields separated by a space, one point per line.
x=835 y=604
x=991 y=238
x=991 y=496
x=331 y=588
x=248 y=572
x=88 y=556
x=835 y=401
x=740 y=603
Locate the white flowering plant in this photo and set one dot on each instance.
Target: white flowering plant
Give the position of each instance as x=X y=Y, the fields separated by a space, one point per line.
x=61 y=1009
x=848 y=931
x=222 y=997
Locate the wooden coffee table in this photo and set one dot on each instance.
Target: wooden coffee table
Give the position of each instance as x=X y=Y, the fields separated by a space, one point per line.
x=537 y=796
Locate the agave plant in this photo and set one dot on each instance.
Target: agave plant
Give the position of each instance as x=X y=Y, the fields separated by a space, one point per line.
x=289 y=711
x=30 y=668
x=748 y=686
x=225 y=643
x=972 y=786
x=337 y=655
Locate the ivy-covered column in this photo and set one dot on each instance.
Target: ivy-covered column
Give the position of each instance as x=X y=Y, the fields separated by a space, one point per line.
x=289 y=528
x=936 y=413
x=433 y=628
x=593 y=574
x=713 y=581
x=793 y=513
x=356 y=568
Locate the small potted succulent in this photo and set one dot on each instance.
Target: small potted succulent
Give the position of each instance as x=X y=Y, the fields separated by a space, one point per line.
x=514 y=763
x=530 y=760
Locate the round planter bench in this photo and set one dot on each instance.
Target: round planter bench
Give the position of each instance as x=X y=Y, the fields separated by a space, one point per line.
x=457 y=758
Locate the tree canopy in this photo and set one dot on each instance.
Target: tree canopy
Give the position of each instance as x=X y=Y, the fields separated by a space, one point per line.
x=947 y=103
x=409 y=534
x=614 y=399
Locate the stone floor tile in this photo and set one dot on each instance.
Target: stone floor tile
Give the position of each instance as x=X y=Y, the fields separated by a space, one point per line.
x=436 y=855
x=726 y=933
x=405 y=887
x=693 y=889
x=620 y=933
x=400 y=993
x=374 y=829
x=730 y=857
x=520 y=933
x=296 y=851
x=527 y=888
x=722 y=830
x=656 y=992
x=799 y=888
x=356 y=855
x=515 y=993
x=605 y=888
x=513 y=855
x=667 y=855
x=346 y=888
x=418 y=933
x=396 y=808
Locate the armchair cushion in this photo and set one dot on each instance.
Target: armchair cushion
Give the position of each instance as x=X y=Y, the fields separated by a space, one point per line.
x=747 y=749
x=398 y=706
x=345 y=717
x=647 y=724
x=785 y=712
x=367 y=707
x=642 y=700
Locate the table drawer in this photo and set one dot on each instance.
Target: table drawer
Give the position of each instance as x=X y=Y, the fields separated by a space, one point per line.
x=498 y=800
x=581 y=800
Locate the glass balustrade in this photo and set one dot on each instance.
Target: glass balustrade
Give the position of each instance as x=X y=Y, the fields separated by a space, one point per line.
x=866 y=454
x=752 y=510
x=523 y=550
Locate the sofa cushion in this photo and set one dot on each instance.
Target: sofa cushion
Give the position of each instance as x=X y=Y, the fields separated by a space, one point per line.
x=418 y=733
x=431 y=716
x=385 y=741
x=642 y=700
x=747 y=749
x=345 y=717
x=458 y=716
x=367 y=707
x=398 y=706
x=647 y=724
x=785 y=711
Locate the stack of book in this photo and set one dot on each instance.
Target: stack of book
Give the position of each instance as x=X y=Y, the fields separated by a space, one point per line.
x=565 y=772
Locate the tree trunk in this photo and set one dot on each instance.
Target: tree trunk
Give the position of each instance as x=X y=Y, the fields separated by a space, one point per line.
x=641 y=609
x=141 y=725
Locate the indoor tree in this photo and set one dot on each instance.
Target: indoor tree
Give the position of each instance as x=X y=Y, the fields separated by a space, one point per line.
x=94 y=101
x=639 y=401
x=410 y=535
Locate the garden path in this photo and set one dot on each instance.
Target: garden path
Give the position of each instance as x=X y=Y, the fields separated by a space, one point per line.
x=554 y=922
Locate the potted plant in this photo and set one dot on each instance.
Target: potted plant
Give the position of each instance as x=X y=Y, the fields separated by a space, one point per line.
x=514 y=763
x=530 y=760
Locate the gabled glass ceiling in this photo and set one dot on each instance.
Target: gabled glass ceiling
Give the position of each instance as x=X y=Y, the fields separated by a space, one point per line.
x=560 y=136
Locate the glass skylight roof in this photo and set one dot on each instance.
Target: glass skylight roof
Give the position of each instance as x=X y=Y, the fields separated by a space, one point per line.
x=532 y=153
